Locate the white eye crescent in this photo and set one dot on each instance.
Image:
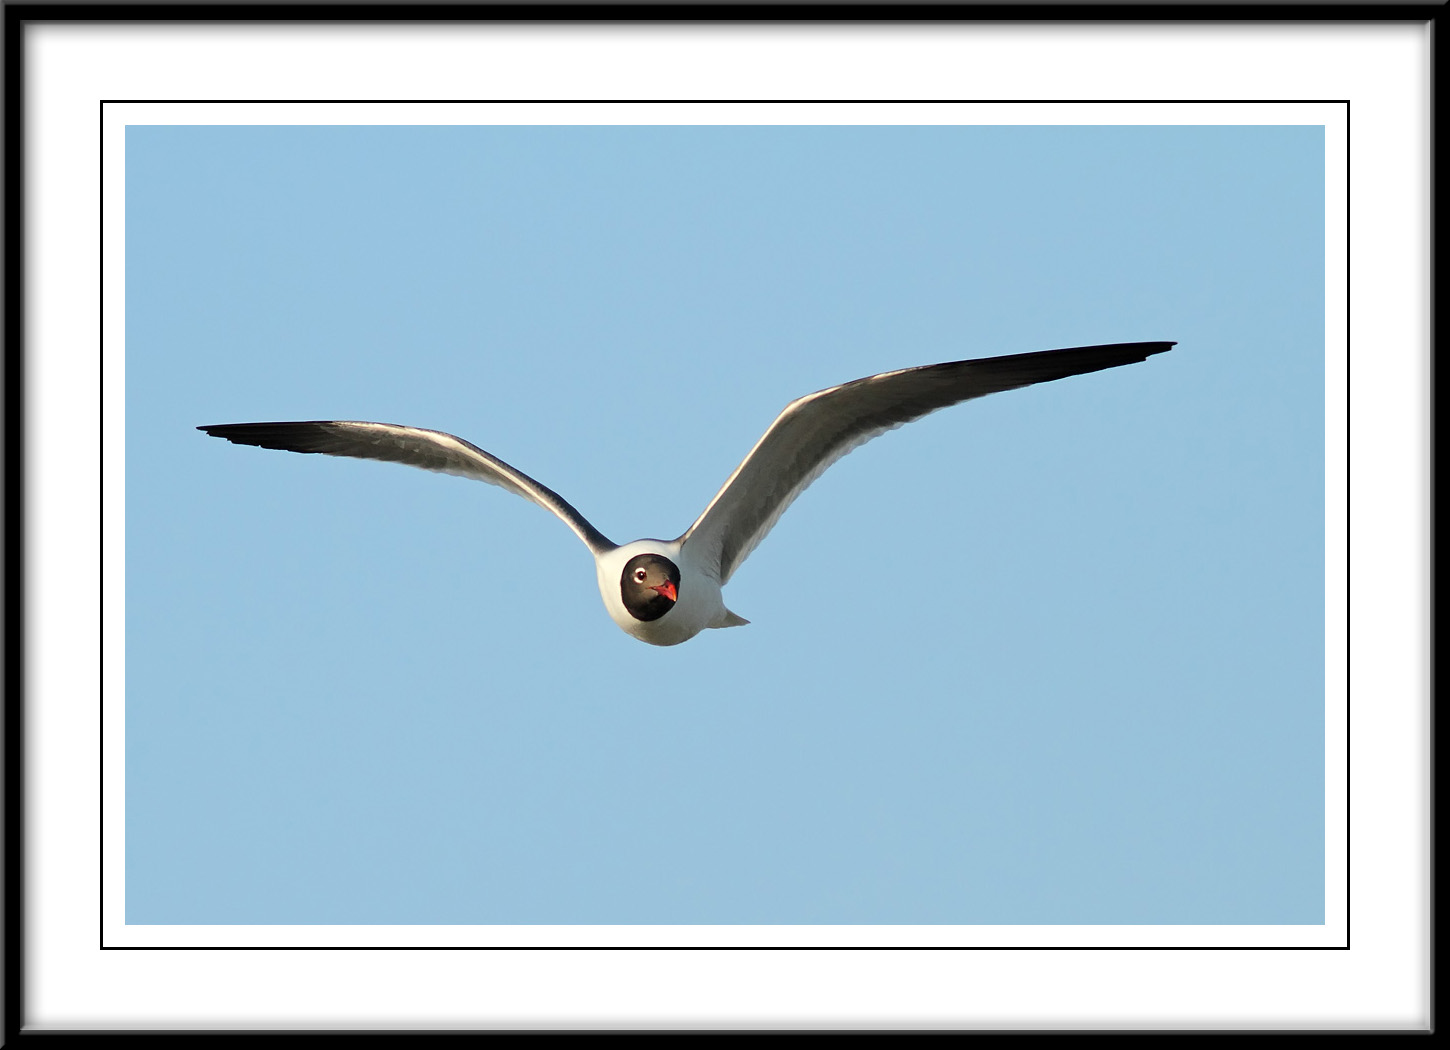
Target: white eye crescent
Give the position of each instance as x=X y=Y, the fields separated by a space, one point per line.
x=639 y=575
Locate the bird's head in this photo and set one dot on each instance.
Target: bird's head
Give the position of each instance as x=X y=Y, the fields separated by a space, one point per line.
x=649 y=586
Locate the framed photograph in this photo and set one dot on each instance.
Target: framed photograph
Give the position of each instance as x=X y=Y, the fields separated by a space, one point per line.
x=1036 y=713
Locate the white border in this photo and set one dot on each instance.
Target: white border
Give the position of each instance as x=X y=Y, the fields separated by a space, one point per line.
x=1383 y=981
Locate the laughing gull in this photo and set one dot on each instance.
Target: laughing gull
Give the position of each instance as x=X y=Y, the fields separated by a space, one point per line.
x=667 y=591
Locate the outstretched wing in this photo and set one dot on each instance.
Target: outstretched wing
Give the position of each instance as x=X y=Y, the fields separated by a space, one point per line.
x=429 y=449
x=816 y=430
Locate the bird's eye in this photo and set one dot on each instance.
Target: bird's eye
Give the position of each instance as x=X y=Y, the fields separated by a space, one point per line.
x=639 y=575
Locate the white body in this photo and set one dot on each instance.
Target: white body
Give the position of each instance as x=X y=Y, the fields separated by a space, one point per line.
x=699 y=606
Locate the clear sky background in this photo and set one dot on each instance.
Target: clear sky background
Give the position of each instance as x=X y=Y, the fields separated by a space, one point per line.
x=1055 y=656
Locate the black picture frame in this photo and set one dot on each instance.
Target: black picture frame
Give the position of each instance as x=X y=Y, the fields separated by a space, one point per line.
x=19 y=18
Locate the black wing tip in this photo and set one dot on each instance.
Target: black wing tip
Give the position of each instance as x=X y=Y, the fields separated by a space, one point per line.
x=1109 y=354
x=286 y=437
x=1072 y=360
x=236 y=431
x=1147 y=348
x=209 y=427
x=225 y=429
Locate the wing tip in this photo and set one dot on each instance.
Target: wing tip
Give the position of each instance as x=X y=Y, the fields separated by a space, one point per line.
x=1147 y=347
x=1125 y=353
x=233 y=432
x=285 y=437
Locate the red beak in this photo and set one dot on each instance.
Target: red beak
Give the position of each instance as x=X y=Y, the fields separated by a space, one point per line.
x=668 y=590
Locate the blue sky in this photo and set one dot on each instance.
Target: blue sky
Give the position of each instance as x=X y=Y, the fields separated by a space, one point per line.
x=1055 y=656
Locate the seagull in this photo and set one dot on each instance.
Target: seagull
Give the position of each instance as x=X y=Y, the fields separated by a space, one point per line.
x=665 y=592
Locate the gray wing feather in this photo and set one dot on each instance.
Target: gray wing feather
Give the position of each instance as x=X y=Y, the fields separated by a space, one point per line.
x=428 y=449
x=816 y=430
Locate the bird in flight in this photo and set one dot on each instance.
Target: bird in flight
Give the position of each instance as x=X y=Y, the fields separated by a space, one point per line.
x=667 y=591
